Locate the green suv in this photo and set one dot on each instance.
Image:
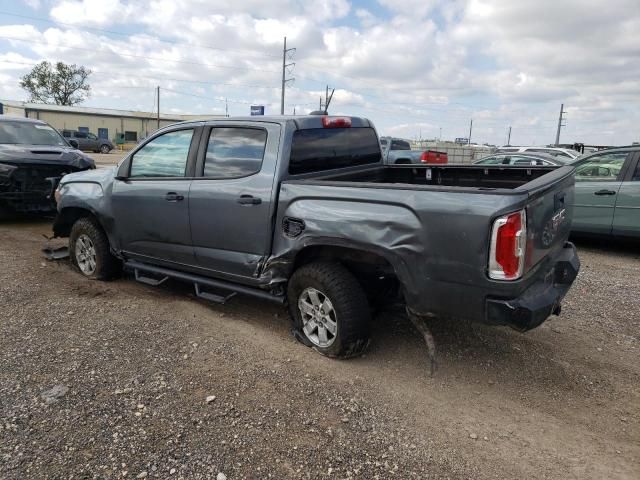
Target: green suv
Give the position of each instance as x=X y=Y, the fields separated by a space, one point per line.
x=607 y=195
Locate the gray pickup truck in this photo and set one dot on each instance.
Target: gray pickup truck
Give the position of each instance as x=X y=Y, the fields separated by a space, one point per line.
x=88 y=141
x=302 y=211
x=396 y=151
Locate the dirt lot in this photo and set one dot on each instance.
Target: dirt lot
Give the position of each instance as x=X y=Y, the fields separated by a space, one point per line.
x=107 y=159
x=110 y=380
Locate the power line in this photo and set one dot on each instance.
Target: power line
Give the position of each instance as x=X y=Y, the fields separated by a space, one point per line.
x=111 y=32
x=158 y=78
x=144 y=57
x=207 y=98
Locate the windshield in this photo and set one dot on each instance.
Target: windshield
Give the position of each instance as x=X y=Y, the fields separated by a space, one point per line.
x=25 y=133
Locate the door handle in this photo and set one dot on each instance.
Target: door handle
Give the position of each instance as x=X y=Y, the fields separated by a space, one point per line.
x=249 y=200
x=173 y=197
x=604 y=192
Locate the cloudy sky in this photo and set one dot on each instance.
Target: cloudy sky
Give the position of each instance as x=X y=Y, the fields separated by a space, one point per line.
x=415 y=67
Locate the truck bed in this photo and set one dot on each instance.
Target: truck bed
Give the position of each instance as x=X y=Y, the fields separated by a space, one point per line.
x=479 y=178
x=435 y=229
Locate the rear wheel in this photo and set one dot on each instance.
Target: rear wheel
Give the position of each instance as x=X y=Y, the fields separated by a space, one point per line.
x=104 y=149
x=329 y=309
x=90 y=252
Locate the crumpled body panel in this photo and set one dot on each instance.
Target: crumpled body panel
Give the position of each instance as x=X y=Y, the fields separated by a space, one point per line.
x=30 y=173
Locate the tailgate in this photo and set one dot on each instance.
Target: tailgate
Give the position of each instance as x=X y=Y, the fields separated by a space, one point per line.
x=549 y=214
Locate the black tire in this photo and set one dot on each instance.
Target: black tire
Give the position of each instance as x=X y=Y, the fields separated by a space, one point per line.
x=348 y=301
x=106 y=265
x=104 y=149
x=7 y=214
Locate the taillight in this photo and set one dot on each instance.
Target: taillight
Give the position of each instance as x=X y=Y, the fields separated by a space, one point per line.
x=508 y=246
x=336 y=122
x=431 y=156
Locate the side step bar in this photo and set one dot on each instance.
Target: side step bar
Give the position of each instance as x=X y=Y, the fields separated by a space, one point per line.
x=199 y=282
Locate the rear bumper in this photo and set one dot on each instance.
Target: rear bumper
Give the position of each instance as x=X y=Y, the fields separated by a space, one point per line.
x=539 y=300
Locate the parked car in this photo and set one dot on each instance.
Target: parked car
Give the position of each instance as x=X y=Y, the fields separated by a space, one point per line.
x=302 y=210
x=607 y=200
x=33 y=158
x=397 y=151
x=88 y=141
x=562 y=154
x=519 y=159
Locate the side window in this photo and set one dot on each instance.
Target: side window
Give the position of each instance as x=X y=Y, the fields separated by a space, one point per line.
x=80 y=134
x=164 y=156
x=66 y=134
x=636 y=174
x=520 y=160
x=495 y=160
x=234 y=152
x=91 y=136
x=601 y=168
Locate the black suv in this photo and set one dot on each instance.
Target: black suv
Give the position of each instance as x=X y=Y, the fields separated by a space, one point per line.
x=88 y=141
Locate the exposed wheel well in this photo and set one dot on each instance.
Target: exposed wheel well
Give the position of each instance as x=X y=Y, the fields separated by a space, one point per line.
x=373 y=271
x=67 y=217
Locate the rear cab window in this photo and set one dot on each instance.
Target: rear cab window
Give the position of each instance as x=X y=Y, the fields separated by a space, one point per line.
x=400 y=145
x=321 y=149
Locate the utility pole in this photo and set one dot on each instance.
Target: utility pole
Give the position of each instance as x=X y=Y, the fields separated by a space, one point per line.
x=560 y=125
x=470 y=129
x=440 y=136
x=158 y=112
x=226 y=107
x=327 y=99
x=285 y=65
x=509 y=136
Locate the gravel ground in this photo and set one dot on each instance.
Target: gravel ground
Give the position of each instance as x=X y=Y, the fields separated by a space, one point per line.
x=107 y=159
x=121 y=380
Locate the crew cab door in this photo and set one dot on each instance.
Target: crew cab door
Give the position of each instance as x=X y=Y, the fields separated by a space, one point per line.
x=82 y=139
x=598 y=179
x=231 y=202
x=92 y=142
x=151 y=199
x=626 y=219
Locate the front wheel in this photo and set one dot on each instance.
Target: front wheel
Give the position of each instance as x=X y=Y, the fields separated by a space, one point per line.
x=90 y=252
x=105 y=149
x=329 y=309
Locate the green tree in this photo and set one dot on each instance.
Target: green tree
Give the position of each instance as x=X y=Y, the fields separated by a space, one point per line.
x=61 y=84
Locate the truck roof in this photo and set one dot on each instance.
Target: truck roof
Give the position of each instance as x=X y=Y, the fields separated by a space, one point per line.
x=301 y=121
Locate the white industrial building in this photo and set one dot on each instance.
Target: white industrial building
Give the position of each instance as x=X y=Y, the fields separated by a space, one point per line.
x=116 y=125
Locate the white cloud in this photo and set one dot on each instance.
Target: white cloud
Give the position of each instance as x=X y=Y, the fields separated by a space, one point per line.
x=90 y=12
x=413 y=8
x=427 y=64
x=33 y=4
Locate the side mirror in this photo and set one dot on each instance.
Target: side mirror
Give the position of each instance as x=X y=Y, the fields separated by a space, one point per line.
x=123 y=170
x=74 y=143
